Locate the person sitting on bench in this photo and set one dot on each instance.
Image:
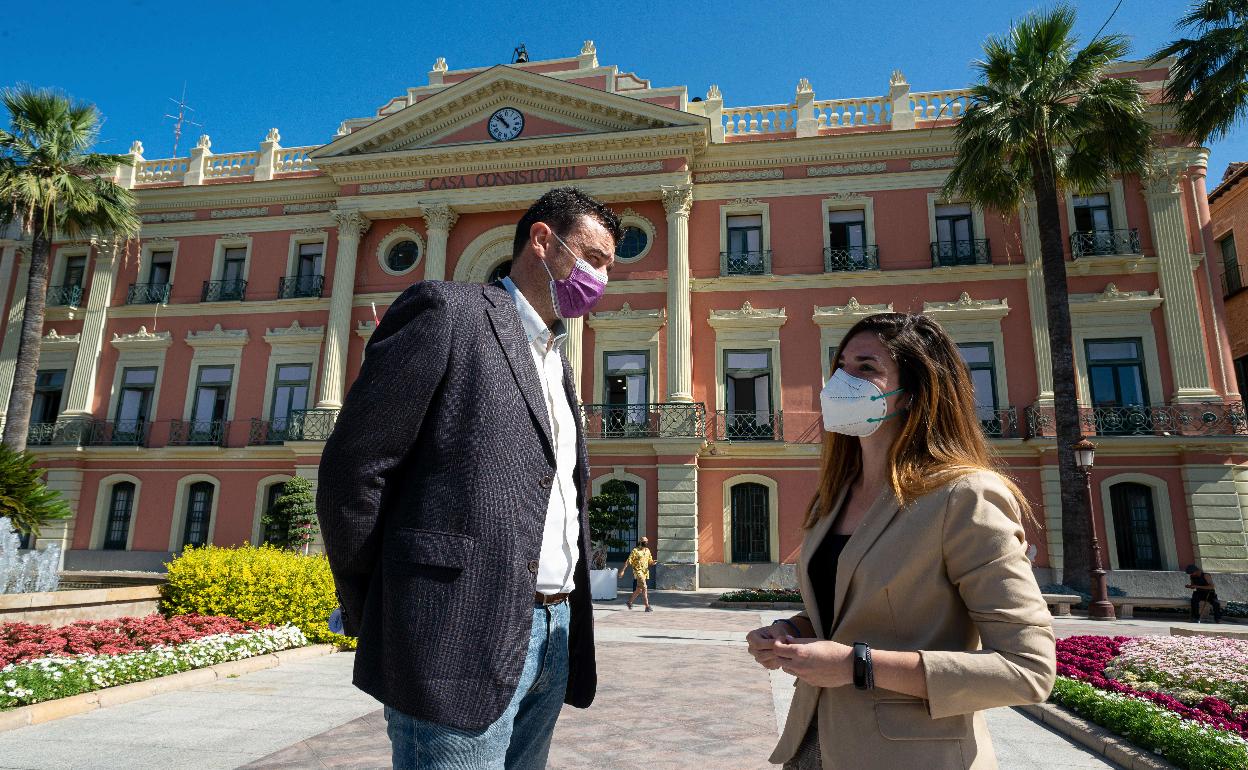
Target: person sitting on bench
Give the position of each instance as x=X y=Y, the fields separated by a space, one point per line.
x=1201 y=585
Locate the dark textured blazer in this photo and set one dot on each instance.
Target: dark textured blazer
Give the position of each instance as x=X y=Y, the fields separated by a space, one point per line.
x=432 y=499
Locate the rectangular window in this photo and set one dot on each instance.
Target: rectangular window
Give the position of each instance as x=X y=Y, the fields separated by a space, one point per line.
x=310 y=255
x=625 y=381
x=135 y=401
x=120 y=509
x=75 y=270
x=161 y=268
x=290 y=393
x=980 y=359
x=233 y=263
x=1092 y=214
x=745 y=245
x=847 y=230
x=212 y=399
x=49 y=388
x=1241 y=374
x=1233 y=279
x=747 y=392
x=954 y=225
x=1118 y=386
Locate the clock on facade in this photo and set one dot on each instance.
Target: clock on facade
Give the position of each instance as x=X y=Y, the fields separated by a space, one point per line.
x=506 y=124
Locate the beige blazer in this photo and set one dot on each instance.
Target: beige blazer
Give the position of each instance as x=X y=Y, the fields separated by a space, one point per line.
x=947 y=576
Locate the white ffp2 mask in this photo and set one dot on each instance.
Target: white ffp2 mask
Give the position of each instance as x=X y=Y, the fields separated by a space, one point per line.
x=853 y=406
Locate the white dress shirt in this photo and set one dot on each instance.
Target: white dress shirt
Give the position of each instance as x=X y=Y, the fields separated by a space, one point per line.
x=559 y=537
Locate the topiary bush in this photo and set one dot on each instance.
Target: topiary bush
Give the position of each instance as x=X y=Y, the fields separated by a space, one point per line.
x=262 y=585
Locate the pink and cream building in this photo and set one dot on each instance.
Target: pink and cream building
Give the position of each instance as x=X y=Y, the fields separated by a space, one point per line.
x=188 y=374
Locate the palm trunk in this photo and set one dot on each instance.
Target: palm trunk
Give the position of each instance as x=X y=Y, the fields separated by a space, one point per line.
x=1076 y=533
x=17 y=416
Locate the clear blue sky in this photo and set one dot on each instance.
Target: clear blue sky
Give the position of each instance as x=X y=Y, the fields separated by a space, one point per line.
x=306 y=66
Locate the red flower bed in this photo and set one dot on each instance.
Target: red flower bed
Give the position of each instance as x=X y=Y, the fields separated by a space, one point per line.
x=1085 y=658
x=20 y=642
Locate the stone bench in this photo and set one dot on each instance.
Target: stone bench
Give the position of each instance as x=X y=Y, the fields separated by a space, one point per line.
x=1061 y=603
x=1125 y=605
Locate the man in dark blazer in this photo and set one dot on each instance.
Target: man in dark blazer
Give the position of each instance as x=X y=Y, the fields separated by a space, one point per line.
x=452 y=500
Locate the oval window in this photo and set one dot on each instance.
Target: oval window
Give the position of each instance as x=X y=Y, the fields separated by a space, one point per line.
x=402 y=256
x=632 y=243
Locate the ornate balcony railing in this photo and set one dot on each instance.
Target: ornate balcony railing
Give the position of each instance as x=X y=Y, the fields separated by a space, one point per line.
x=748 y=426
x=59 y=433
x=64 y=296
x=148 y=293
x=1104 y=242
x=860 y=258
x=119 y=433
x=745 y=262
x=198 y=432
x=999 y=423
x=301 y=425
x=672 y=420
x=956 y=253
x=224 y=291
x=1203 y=419
x=294 y=286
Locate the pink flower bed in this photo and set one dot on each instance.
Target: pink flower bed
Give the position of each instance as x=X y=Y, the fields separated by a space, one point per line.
x=20 y=642
x=1086 y=657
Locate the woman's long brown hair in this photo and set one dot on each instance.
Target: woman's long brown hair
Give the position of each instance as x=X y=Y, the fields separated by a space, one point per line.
x=941 y=438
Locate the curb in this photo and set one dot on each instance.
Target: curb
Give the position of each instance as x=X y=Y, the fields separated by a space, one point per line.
x=37 y=713
x=1095 y=738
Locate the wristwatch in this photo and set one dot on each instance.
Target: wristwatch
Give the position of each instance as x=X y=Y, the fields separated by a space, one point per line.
x=864 y=672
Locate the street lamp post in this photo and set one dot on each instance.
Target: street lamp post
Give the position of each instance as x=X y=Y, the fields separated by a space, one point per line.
x=1100 y=608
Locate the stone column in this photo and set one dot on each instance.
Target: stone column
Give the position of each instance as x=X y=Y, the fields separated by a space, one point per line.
x=805 y=101
x=351 y=227
x=439 y=219
x=19 y=258
x=678 y=523
x=1188 y=360
x=196 y=167
x=68 y=482
x=79 y=405
x=1051 y=501
x=574 y=349
x=1036 y=302
x=1216 y=516
x=677 y=202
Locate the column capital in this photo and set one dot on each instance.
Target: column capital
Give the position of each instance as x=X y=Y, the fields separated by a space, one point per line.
x=1162 y=175
x=350 y=221
x=677 y=199
x=439 y=216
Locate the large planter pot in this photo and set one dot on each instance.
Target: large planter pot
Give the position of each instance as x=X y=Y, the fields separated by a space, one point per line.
x=602 y=584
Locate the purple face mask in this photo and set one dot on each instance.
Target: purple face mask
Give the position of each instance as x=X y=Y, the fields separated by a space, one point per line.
x=577 y=294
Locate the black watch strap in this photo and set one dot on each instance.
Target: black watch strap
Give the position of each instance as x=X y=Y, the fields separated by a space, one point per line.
x=864 y=672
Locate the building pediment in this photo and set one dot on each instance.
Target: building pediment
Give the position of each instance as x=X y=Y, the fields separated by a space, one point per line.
x=457 y=118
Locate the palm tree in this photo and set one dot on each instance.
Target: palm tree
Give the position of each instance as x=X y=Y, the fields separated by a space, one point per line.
x=52 y=183
x=1212 y=69
x=1043 y=118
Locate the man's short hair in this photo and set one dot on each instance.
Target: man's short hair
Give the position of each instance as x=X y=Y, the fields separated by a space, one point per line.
x=561 y=209
x=1190 y=569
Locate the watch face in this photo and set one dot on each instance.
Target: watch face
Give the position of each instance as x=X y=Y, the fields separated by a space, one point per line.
x=506 y=124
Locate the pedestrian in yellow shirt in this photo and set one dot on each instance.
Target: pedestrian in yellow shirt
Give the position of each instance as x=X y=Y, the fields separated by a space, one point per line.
x=640 y=560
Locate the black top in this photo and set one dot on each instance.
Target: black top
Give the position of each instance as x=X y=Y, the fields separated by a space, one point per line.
x=822 y=571
x=1199 y=580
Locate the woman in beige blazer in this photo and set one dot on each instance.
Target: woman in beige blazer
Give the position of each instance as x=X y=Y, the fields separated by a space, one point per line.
x=914 y=547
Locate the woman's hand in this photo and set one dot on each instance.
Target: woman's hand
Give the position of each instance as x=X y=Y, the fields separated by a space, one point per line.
x=815 y=662
x=761 y=643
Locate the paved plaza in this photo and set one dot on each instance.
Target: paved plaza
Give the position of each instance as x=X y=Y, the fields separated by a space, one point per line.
x=676 y=690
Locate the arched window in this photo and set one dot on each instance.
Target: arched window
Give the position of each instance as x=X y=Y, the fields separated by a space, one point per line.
x=630 y=533
x=1135 y=526
x=273 y=533
x=198 y=513
x=500 y=272
x=120 y=508
x=751 y=529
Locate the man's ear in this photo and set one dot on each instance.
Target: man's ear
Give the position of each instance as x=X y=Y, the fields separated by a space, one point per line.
x=540 y=239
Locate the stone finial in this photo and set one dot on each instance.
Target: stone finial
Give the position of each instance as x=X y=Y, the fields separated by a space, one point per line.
x=588 y=48
x=803 y=87
x=713 y=93
x=853 y=304
x=440 y=64
x=897 y=79
x=204 y=143
x=136 y=147
x=273 y=136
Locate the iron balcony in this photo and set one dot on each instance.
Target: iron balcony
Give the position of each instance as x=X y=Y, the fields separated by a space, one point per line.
x=224 y=291
x=857 y=258
x=958 y=253
x=148 y=294
x=1104 y=243
x=295 y=286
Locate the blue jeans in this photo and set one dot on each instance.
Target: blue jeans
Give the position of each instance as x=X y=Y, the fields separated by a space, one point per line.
x=520 y=738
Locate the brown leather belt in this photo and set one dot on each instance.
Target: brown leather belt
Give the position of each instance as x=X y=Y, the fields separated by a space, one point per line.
x=542 y=600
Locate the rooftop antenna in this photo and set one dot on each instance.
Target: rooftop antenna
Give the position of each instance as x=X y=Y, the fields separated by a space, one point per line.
x=181 y=118
x=519 y=55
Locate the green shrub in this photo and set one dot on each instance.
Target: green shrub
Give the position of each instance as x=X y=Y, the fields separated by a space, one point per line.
x=263 y=585
x=24 y=499
x=762 y=595
x=1189 y=745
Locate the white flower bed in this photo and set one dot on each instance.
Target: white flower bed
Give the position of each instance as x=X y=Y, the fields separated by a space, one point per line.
x=49 y=678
